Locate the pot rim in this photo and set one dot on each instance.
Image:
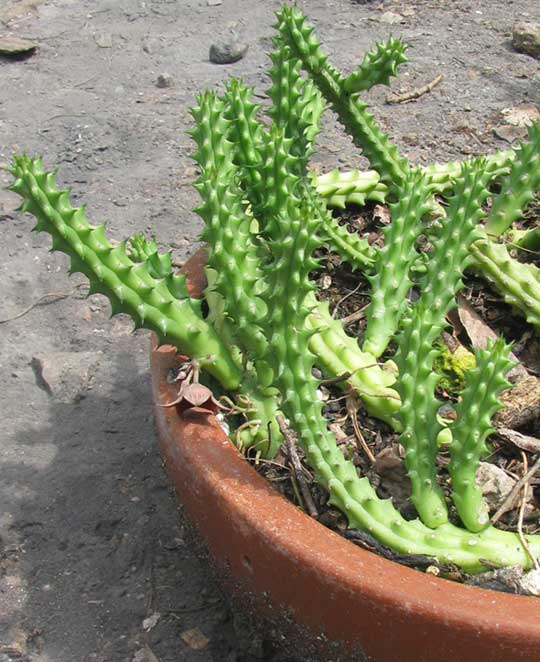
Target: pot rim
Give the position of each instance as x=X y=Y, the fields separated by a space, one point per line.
x=263 y=520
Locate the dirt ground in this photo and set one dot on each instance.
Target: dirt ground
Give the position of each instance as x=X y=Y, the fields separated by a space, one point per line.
x=91 y=540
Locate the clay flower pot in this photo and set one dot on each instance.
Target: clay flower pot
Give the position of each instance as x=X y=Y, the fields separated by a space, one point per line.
x=289 y=564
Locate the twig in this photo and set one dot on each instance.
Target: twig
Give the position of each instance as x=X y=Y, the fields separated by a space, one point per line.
x=351 y=410
x=414 y=94
x=290 y=443
x=354 y=317
x=522 y=441
x=54 y=297
x=344 y=297
x=510 y=497
x=521 y=512
x=336 y=380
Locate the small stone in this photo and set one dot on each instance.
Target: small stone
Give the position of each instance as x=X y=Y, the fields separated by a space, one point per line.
x=529 y=583
x=494 y=483
x=526 y=38
x=150 y=45
x=151 y=621
x=164 y=80
x=16 y=46
x=391 y=18
x=227 y=51
x=144 y=655
x=523 y=115
x=69 y=374
x=195 y=639
x=104 y=40
x=213 y=3
x=510 y=133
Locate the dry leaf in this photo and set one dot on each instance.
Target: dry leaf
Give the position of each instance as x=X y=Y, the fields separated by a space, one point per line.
x=195 y=639
x=479 y=333
x=382 y=214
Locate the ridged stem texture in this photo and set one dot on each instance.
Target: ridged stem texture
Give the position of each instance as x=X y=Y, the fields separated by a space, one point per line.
x=382 y=155
x=232 y=252
x=518 y=283
x=377 y=67
x=392 y=278
x=518 y=187
x=247 y=137
x=479 y=402
x=414 y=358
x=159 y=304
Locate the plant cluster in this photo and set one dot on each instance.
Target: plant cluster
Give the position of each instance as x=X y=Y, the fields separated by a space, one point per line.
x=263 y=329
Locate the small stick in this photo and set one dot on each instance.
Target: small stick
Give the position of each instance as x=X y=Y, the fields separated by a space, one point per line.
x=344 y=298
x=510 y=497
x=290 y=443
x=336 y=380
x=522 y=441
x=40 y=302
x=521 y=512
x=414 y=94
x=354 y=317
x=351 y=410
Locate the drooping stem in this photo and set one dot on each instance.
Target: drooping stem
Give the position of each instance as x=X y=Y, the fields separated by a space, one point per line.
x=161 y=305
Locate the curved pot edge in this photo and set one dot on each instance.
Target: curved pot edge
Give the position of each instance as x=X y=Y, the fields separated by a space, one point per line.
x=273 y=549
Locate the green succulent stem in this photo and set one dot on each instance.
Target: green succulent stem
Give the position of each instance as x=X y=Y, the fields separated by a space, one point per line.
x=518 y=187
x=377 y=67
x=342 y=188
x=232 y=250
x=337 y=353
x=421 y=327
x=518 y=283
x=351 y=112
x=528 y=240
x=159 y=304
x=391 y=280
x=262 y=330
x=479 y=402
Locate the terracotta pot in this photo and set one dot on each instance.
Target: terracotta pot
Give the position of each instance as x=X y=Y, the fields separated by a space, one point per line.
x=289 y=563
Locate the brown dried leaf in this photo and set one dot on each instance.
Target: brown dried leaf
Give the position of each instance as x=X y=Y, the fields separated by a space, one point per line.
x=381 y=213
x=479 y=333
x=197 y=394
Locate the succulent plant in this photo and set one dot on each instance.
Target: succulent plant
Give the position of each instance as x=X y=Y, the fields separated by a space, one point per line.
x=264 y=330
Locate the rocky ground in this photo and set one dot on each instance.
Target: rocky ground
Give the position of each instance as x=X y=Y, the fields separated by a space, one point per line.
x=95 y=564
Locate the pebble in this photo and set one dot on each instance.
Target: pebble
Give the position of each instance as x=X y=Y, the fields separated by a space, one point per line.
x=16 y=46
x=494 y=483
x=164 y=80
x=510 y=133
x=227 y=51
x=391 y=18
x=526 y=38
